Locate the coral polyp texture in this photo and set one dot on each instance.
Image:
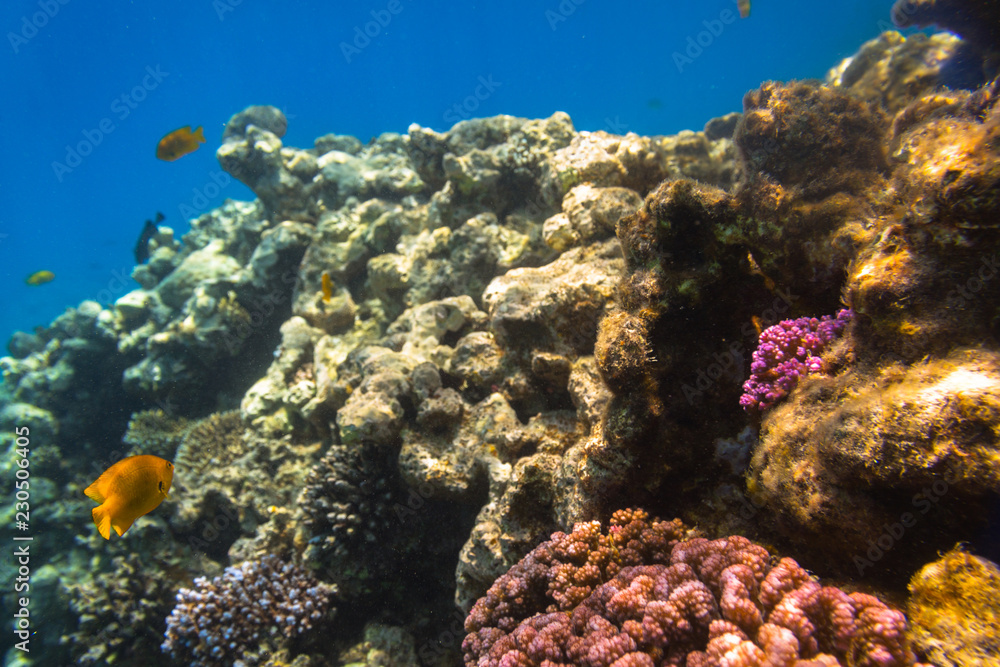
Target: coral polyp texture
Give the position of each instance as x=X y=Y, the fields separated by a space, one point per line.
x=576 y=600
x=251 y=608
x=787 y=351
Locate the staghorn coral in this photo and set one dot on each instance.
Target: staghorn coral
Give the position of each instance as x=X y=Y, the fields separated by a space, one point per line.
x=699 y=602
x=954 y=610
x=251 y=610
x=787 y=351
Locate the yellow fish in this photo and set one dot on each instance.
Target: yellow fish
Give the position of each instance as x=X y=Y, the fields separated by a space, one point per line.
x=744 y=7
x=40 y=278
x=327 y=287
x=179 y=143
x=127 y=490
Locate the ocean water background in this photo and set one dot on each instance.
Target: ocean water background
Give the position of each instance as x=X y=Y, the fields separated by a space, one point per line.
x=109 y=79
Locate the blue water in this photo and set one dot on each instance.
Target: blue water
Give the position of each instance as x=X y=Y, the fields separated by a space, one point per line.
x=610 y=65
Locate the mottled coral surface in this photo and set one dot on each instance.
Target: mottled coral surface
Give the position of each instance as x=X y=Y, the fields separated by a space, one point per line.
x=704 y=603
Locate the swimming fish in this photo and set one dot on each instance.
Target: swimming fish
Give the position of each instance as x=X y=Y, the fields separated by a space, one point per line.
x=127 y=490
x=40 y=278
x=327 y=287
x=179 y=143
x=744 y=7
x=142 y=245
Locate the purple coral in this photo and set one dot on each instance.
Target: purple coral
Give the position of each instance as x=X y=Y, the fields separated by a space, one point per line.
x=786 y=352
x=227 y=618
x=701 y=604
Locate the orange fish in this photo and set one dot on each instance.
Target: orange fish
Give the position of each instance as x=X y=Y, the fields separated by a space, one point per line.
x=127 y=490
x=40 y=278
x=327 y=287
x=179 y=143
x=744 y=7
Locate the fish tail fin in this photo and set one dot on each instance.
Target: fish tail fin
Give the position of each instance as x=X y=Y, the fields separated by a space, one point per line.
x=199 y=134
x=121 y=526
x=102 y=519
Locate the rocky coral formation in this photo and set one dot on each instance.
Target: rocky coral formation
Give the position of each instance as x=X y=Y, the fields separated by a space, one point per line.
x=918 y=385
x=578 y=599
x=121 y=614
x=975 y=21
x=250 y=611
x=953 y=610
x=830 y=187
x=435 y=329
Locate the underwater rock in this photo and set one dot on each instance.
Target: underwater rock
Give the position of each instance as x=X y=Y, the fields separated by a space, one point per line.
x=976 y=22
x=954 y=619
x=933 y=426
x=589 y=214
x=891 y=71
x=265 y=117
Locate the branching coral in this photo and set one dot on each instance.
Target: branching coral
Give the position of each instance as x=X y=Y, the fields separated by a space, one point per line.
x=703 y=603
x=786 y=352
x=234 y=615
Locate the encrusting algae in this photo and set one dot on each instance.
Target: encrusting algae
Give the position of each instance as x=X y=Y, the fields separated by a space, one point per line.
x=954 y=610
x=129 y=489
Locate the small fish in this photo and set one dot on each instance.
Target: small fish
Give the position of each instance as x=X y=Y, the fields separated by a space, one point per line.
x=179 y=143
x=744 y=7
x=127 y=490
x=327 y=287
x=40 y=278
x=142 y=245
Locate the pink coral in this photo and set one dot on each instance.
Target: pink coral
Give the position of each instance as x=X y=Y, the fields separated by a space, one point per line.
x=709 y=603
x=786 y=352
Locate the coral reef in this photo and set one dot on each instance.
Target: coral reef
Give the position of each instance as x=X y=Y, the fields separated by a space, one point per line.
x=830 y=186
x=891 y=70
x=121 y=614
x=787 y=351
x=522 y=327
x=579 y=600
x=249 y=611
x=975 y=21
x=954 y=611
